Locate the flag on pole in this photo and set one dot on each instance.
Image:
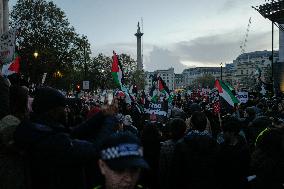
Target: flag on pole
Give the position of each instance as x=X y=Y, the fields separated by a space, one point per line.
x=116 y=70
x=117 y=74
x=229 y=86
x=13 y=67
x=162 y=86
x=226 y=93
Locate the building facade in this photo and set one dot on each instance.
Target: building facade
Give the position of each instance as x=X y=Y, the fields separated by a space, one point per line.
x=248 y=66
x=191 y=74
x=242 y=73
x=179 y=81
x=167 y=75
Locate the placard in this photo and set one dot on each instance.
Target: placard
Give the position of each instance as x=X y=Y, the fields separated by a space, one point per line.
x=243 y=97
x=86 y=85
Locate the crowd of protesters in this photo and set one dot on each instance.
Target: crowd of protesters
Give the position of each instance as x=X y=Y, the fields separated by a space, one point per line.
x=57 y=142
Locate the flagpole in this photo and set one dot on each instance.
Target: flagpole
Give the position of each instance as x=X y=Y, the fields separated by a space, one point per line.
x=158 y=84
x=221 y=70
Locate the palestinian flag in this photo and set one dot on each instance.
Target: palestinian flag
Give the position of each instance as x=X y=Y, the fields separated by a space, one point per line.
x=13 y=67
x=226 y=93
x=171 y=98
x=154 y=98
x=162 y=86
x=229 y=86
x=116 y=70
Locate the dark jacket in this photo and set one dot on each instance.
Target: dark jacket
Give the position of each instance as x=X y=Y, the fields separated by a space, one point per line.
x=4 y=96
x=13 y=169
x=234 y=164
x=56 y=159
x=195 y=163
x=165 y=162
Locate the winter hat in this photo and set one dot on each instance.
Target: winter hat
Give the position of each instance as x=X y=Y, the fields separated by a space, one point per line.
x=46 y=99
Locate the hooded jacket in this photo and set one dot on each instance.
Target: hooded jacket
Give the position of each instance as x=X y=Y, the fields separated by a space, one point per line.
x=4 y=96
x=195 y=162
x=57 y=160
x=13 y=170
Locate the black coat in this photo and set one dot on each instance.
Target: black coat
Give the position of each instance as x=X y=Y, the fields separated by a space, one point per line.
x=56 y=160
x=234 y=165
x=4 y=96
x=195 y=163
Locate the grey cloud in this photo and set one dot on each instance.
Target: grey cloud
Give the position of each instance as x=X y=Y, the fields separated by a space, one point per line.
x=154 y=57
x=232 y=4
x=220 y=48
x=207 y=50
x=160 y=58
x=128 y=48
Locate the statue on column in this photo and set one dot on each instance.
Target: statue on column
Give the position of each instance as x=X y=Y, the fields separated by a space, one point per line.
x=138 y=28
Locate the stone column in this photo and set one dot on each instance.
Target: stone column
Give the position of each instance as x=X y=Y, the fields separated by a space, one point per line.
x=139 y=49
x=5 y=16
x=1 y=17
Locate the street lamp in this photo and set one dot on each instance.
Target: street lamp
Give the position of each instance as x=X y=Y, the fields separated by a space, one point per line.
x=221 y=70
x=36 y=54
x=33 y=67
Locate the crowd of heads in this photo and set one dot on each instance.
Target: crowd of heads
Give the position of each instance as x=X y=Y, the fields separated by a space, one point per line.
x=192 y=147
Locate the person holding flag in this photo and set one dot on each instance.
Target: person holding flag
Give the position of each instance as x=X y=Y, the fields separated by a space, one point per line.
x=117 y=75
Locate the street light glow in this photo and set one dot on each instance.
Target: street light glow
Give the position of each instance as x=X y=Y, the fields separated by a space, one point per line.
x=35 y=54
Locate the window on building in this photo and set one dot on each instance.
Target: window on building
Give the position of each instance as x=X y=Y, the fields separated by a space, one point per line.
x=242 y=72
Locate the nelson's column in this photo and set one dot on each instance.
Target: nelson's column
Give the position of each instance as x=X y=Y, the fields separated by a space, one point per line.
x=139 y=49
x=4 y=16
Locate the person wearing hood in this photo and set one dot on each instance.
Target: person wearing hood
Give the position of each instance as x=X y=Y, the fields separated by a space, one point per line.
x=4 y=96
x=195 y=157
x=12 y=160
x=57 y=160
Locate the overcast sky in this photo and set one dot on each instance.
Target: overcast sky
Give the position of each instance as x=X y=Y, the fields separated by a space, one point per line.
x=177 y=33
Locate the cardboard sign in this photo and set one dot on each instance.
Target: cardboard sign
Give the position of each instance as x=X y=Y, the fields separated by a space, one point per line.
x=205 y=92
x=214 y=96
x=86 y=85
x=159 y=109
x=243 y=97
x=7 y=46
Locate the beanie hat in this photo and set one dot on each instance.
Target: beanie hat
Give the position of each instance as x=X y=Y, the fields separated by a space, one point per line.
x=46 y=99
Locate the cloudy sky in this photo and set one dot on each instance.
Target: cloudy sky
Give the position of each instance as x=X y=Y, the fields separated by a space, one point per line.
x=177 y=33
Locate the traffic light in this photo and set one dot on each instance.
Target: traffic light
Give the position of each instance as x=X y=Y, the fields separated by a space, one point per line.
x=78 y=88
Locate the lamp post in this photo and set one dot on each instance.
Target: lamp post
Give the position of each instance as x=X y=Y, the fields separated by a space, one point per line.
x=34 y=76
x=36 y=54
x=221 y=71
